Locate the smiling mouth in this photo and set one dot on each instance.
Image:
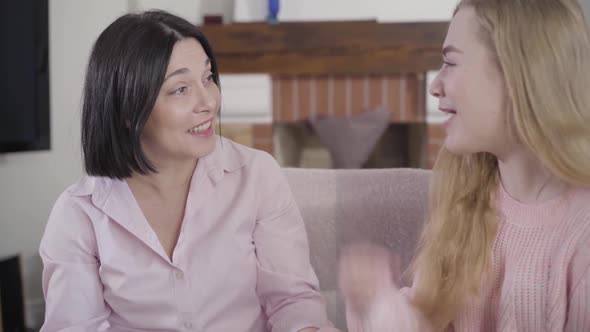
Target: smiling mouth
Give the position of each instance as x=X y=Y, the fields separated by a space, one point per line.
x=448 y=111
x=201 y=128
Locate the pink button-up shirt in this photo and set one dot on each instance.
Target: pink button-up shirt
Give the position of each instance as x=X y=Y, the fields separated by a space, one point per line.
x=241 y=262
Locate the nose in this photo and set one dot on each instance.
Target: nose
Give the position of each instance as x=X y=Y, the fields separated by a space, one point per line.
x=436 y=87
x=206 y=100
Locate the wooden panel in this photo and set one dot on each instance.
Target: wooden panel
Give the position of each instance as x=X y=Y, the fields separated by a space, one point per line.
x=327 y=47
x=338 y=97
x=422 y=95
x=287 y=101
x=322 y=96
x=436 y=133
x=263 y=137
x=376 y=84
x=411 y=107
x=263 y=132
x=436 y=137
x=237 y=132
x=358 y=100
x=298 y=98
x=304 y=95
x=393 y=96
x=276 y=100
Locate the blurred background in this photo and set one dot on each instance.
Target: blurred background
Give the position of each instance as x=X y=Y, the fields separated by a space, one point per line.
x=333 y=84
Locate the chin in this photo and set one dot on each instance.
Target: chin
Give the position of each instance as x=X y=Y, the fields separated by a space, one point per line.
x=458 y=146
x=202 y=149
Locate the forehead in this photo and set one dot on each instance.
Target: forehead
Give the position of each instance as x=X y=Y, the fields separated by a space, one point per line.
x=187 y=52
x=463 y=29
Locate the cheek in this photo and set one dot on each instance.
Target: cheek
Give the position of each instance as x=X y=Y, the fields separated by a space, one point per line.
x=485 y=123
x=455 y=87
x=153 y=126
x=164 y=121
x=474 y=97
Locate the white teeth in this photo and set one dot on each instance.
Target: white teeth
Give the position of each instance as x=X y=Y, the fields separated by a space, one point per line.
x=201 y=128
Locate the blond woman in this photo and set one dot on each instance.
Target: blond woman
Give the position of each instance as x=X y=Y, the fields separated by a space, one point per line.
x=507 y=242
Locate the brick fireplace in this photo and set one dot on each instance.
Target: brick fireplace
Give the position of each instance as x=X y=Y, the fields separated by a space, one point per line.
x=338 y=69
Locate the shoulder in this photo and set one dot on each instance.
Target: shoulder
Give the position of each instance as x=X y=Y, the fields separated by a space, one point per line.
x=577 y=218
x=71 y=197
x=70 y=226
x=578 y=222
x=73 y=206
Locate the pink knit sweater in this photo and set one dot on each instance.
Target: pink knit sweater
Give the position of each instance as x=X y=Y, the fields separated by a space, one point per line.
x=539 y=280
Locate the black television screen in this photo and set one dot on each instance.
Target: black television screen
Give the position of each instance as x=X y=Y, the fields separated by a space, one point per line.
x=24 y=75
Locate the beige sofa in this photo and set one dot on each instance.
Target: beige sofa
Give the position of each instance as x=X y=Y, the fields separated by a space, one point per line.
x=384 y=206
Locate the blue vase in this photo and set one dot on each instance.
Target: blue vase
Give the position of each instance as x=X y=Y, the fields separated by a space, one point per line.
x=273 y=11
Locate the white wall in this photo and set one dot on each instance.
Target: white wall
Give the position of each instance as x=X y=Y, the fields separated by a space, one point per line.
x=190 y=10
x=30 y=182
x=327 y=10
x=382 y=10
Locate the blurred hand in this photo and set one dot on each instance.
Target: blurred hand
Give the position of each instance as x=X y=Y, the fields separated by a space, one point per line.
x=368 y=279
x=365 y=270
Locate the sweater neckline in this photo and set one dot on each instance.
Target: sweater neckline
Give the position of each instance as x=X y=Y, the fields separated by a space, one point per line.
x=546 y=213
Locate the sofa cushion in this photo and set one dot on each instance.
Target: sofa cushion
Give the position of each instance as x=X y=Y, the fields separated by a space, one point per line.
x=339 y=207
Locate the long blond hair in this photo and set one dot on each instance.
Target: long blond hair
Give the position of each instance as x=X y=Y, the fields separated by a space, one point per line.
x=542 y=48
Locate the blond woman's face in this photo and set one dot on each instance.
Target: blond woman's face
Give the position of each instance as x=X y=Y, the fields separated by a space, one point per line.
x=471 y=90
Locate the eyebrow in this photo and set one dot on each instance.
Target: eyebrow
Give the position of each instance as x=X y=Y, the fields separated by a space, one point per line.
x=450 y=48
x=177 y=72
x=185 y=70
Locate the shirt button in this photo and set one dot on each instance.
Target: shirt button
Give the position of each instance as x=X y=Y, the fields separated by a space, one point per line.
x=179 y=275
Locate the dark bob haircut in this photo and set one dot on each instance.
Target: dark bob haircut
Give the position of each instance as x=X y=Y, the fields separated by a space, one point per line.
x=124 y=76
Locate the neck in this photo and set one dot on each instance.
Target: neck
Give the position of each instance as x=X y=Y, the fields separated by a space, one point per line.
x=170 y=177
x=526 y=180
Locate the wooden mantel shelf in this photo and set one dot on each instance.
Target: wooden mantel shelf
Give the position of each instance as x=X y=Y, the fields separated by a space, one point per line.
x=327 y=48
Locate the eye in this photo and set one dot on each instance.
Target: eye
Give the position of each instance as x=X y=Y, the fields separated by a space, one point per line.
x=448 y=64
x=181 y=91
